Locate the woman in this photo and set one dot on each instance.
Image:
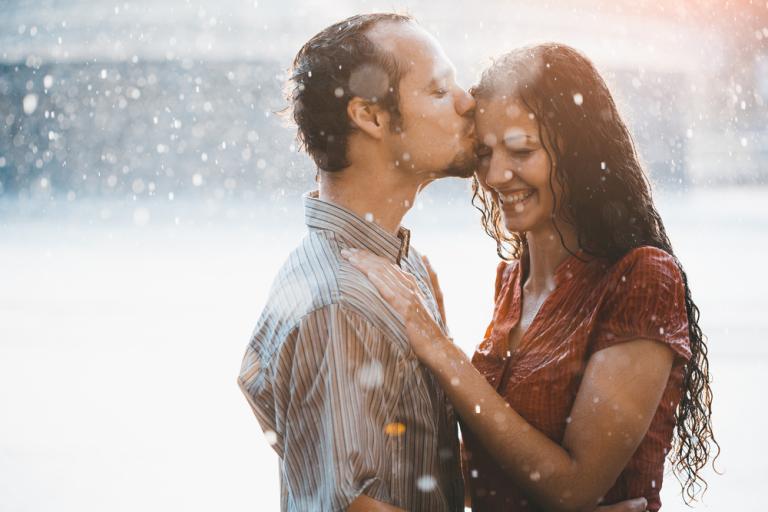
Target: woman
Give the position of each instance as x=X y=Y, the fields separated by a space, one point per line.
x=594 y=354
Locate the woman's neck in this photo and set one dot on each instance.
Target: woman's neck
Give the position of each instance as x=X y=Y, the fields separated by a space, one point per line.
x=546 y=251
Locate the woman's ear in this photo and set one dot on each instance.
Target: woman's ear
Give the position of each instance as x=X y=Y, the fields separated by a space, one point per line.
x=368 y=117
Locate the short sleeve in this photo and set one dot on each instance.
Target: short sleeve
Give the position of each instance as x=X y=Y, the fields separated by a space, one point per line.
x=260 y=395
x=343 y=388
x=645 y=298
x=502 y=275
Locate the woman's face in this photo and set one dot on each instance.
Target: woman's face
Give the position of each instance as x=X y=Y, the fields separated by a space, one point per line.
x=513 y=164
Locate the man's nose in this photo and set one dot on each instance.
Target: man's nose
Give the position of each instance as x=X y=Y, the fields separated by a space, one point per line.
x=465 y=104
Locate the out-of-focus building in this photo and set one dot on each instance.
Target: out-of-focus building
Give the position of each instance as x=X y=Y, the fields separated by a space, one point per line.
x=155 y=98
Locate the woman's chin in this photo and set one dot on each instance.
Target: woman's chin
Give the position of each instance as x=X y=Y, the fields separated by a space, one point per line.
x=516 y=226
x=517 y=222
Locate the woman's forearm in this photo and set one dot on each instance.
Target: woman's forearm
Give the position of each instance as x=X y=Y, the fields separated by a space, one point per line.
x=545 y=470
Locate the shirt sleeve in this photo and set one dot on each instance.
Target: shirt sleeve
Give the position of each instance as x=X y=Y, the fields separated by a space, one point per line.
x=259 y=392
x=340 y=383
x=501 y=275
x=647 y=300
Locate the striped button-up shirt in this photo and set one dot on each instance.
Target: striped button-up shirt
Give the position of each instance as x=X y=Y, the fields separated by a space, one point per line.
x=335 y=385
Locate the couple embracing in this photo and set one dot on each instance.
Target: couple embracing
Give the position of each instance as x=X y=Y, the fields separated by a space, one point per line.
x=593 y=370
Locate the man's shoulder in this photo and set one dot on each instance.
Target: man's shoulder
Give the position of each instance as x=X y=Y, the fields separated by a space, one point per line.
x=313 y=280
x=307 y=280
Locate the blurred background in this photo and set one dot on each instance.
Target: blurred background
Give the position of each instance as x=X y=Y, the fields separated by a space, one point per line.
x=150 y=189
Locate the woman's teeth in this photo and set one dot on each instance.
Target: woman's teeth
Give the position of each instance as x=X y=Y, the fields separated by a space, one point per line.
x=518 y=197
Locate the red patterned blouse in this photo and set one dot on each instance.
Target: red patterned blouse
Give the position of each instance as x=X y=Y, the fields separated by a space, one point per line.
x=594 y=305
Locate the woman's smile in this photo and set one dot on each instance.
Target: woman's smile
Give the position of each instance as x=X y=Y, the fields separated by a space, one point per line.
x=517 y=200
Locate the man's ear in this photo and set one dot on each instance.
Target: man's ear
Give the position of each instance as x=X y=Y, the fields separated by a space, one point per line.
x=368 y=117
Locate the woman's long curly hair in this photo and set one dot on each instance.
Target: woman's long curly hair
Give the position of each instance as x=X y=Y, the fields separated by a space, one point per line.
x=606 y=196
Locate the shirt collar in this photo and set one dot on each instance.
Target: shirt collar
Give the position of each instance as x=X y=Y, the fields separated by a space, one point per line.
x=565 y=270
x=320 y=214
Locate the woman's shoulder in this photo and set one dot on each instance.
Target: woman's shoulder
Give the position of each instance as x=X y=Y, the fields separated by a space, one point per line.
x=647 y=260
x=506 y=268
x=505 y=273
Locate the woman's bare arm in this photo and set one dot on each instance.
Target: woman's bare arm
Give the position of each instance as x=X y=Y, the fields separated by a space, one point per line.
x=620 y=392
x=365 y=504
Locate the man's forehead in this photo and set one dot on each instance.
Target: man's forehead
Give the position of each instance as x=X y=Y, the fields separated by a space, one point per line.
x=407 y=42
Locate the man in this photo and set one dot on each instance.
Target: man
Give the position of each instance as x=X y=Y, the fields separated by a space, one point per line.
x=357 y=423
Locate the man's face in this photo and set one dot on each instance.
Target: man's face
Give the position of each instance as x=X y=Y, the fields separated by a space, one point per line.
x=436 y=135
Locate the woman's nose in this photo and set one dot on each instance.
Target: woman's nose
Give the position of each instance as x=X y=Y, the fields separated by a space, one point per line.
x=498 y=172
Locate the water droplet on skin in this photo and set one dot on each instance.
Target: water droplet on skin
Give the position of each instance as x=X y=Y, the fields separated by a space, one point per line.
x=490 y=140
x=578 y=99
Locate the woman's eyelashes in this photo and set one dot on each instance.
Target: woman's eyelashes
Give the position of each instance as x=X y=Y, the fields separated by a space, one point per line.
x=522 y=152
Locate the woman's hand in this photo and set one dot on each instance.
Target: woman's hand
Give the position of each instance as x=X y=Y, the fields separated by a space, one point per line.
x=436 y=291
x=400 y=290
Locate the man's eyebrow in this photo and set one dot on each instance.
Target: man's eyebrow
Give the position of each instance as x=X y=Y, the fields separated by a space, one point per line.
x=445 y=74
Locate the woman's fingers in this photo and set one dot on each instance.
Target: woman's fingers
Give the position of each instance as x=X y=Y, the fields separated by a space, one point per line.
x=368 y=262
x=400 y=291
x=396 y=287
x=393 y=285
x=436 y=291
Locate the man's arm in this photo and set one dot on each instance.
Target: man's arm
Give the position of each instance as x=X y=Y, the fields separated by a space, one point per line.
x=340 y=383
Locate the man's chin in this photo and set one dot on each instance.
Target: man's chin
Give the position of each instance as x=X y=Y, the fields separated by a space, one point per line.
x=463 y=166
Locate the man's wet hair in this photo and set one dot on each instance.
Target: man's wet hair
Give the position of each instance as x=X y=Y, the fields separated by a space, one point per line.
x=336 y=65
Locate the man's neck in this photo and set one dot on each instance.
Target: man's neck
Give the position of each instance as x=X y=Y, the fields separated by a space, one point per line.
x=377 y=195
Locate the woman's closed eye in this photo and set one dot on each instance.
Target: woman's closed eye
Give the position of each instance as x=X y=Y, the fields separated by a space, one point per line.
x=521 y=153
